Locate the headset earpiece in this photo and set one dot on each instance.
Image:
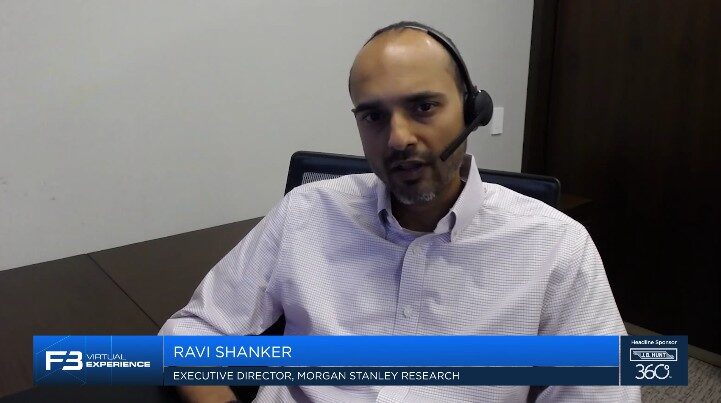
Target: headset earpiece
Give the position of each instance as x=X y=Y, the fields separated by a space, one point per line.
x=477 y=108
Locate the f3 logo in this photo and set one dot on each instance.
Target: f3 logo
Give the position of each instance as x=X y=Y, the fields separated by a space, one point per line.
x=76 y=357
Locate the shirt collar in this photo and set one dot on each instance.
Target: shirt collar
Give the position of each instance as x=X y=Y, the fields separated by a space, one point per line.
x=460 y=215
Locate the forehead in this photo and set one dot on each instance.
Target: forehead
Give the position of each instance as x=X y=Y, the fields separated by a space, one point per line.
x=397 y=63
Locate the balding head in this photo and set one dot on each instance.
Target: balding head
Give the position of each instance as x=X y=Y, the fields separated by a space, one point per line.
x=396 y=40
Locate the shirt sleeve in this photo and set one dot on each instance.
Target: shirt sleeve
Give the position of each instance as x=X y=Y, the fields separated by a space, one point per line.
x=233 y=297
x=579 y=301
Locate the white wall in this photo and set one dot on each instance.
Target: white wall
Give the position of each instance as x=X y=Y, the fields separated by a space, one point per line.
x=123 y=121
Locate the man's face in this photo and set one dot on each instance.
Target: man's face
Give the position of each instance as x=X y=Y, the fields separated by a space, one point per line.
x=408 y=109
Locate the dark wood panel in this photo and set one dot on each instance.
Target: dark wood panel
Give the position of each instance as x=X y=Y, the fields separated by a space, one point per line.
x=161 y=275
x=67 y=296
x=634 y=125
x=540 y=69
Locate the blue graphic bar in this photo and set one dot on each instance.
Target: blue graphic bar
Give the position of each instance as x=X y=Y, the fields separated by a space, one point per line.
x=582 y=351
x=316 y=360
x=237 y=376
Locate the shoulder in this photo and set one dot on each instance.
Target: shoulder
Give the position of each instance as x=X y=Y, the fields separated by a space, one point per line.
x=507 y=205
x=358 y=186
x=358 y=191
x=338 y=202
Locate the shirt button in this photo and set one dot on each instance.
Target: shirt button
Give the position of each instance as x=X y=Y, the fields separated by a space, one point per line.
x=408 y=312
x=414 y=250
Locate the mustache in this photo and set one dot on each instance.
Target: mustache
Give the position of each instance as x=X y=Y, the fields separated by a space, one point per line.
x=403 y=155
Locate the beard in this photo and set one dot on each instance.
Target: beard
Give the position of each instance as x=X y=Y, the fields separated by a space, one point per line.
x=417 y=198
x=427 y=188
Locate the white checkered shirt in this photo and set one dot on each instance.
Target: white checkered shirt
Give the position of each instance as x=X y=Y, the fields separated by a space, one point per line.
x=332 y=258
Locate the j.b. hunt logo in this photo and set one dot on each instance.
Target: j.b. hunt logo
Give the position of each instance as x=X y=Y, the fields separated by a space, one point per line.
x=654 y=354
x=73 y=361
x=654 y=370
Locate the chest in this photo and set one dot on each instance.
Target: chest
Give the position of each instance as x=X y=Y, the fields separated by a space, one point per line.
x=361 y=283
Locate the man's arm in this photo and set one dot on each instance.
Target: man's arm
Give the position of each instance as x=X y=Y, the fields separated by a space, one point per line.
x=233 y=298
x=579 y=301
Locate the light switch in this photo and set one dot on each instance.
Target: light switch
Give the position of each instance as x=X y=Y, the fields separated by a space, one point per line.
x=497 y=122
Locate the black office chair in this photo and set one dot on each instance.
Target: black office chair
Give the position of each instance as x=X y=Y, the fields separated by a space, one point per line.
x=308 y=166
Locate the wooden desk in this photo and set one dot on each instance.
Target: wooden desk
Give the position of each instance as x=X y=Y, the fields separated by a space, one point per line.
x=127 y=290
x=161 y=275
x=67 y=296
x=105 y=394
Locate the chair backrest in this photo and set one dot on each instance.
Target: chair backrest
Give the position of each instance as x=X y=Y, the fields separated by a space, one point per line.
x=308 y=166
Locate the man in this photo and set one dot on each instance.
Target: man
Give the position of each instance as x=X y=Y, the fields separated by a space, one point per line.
x=422 y=246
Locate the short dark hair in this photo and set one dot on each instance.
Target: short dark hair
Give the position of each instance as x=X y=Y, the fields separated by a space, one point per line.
x=460 y=83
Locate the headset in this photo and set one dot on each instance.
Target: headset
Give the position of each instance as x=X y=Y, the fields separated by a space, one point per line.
x=477 y=104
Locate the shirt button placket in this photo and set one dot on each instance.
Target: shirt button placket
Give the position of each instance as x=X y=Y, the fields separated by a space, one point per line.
x=410 y=290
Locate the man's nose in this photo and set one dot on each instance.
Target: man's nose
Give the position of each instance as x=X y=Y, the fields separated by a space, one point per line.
x=401 y=134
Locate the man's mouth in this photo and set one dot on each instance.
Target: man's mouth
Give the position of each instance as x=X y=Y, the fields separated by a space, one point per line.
x=408 y=169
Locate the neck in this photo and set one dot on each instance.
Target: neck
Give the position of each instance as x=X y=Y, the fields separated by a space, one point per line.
x=424 y=217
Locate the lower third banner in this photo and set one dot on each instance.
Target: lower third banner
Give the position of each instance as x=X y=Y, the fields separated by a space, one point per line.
x=360 y=360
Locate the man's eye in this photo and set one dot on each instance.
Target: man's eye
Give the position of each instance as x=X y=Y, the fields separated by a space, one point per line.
x=425 y=107
x=372 y=117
